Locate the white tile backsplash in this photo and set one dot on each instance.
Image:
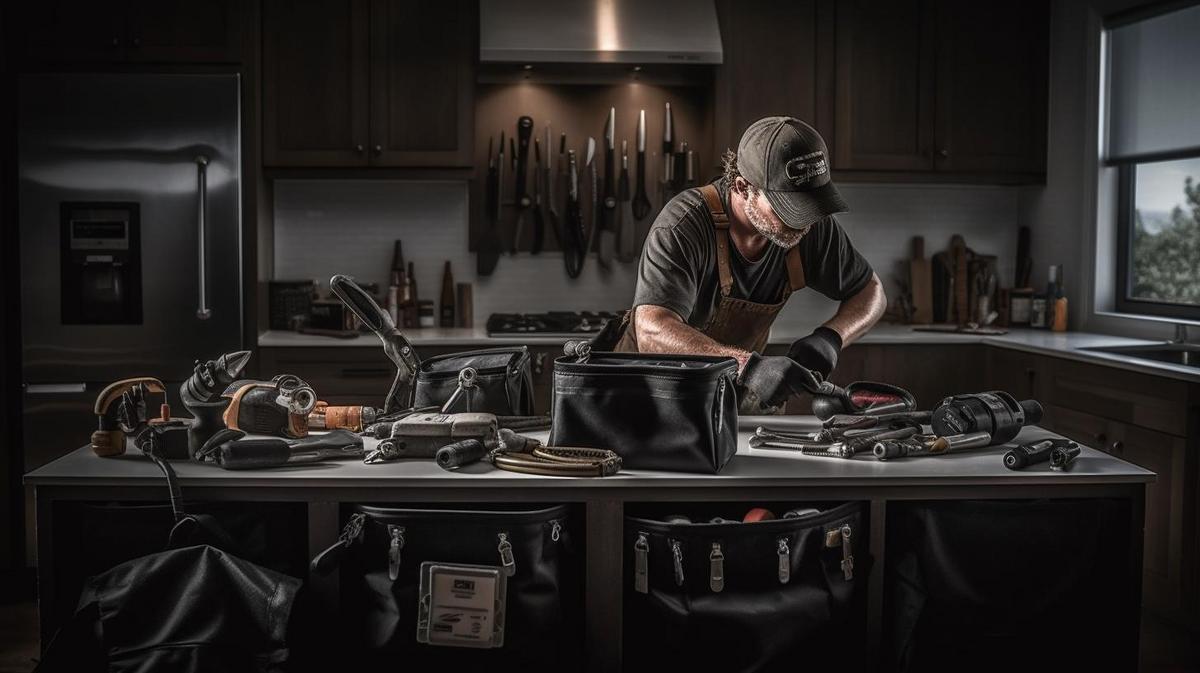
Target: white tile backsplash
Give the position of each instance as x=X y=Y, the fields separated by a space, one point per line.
x=323 y=227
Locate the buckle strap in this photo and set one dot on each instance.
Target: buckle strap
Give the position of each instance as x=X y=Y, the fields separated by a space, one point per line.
x=721 y=222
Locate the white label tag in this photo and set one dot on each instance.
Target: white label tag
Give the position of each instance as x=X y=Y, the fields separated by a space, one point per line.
x=462 y=606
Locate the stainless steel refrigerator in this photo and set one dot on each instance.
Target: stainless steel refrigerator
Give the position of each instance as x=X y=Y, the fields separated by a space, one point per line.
x=130 y=221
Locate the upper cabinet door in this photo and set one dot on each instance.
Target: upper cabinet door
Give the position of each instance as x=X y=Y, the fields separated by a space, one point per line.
x=885 y=82
x=422 y=82
x=772 y=71
x=56 y=31
x=991 y=89
x=185 y=30
x=315 y=56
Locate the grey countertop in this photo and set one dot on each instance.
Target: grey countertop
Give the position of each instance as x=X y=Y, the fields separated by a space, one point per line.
x=1070 y=345
x=749 y=468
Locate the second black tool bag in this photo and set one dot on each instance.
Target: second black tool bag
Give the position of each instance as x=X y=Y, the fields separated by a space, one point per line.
x=503 y=383
x=402 y=614
x=780 y=595
x=658 y=412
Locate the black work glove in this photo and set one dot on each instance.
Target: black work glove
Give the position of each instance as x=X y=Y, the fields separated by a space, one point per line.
x=770 y=380
x=817 y=351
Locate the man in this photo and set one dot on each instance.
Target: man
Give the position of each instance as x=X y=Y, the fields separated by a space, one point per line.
x=720 y=262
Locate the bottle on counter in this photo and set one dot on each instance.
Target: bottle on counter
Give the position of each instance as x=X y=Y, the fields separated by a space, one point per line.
x=447 y=299
x=1056 y=301
x=409 y=299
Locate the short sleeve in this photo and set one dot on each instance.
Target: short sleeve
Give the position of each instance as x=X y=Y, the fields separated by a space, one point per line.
x=832 y=265
x=669 y=272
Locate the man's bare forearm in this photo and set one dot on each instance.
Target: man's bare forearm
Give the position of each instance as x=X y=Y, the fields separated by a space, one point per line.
x=661 y=330
x=859 y=313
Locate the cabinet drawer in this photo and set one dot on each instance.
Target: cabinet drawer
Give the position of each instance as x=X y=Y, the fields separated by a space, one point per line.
x=1152 y=402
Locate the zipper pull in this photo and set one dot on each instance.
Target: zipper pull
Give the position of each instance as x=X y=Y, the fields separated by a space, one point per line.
x=847 y=553
x=716 y=568
x=677 y=559
x=506 y=555
x=354 y=529
x=397 y=535
x=328 y=559
x=555 y=530
x=641 y=564
x=785 y=561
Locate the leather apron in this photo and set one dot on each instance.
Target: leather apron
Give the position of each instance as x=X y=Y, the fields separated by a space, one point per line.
x=736 y=322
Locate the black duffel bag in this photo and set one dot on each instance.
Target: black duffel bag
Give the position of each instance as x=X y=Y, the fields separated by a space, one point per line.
x=381 y=587
x=503 y=382
x=658 y=412
x=779 y=595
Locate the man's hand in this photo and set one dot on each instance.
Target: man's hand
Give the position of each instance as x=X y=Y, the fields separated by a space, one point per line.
x=771 y=380
x=817 y=351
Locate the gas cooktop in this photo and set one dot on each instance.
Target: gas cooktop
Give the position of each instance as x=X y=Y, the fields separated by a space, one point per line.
x=552 y=324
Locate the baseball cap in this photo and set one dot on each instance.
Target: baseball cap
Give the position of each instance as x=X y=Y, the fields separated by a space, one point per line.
x=787 y=160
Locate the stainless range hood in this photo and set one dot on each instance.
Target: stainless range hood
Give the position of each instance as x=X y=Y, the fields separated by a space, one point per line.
x=599 y=31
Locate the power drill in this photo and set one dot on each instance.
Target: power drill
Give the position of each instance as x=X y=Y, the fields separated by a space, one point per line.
x=996 y=413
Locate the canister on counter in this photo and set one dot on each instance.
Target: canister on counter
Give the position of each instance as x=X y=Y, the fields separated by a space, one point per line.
x=1020 y=305
x=426 y=313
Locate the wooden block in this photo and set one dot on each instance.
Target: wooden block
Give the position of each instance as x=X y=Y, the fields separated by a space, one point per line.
x=921 y=283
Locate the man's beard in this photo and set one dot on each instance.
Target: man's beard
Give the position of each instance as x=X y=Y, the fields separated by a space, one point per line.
x=785 y=239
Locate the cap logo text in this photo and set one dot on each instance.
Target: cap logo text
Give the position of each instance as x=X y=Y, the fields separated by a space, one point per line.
x=804 y=169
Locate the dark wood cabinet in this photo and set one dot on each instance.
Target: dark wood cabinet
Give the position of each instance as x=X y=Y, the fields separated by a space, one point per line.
x=134 y=31
x=768 y=71
x=315 y=57
x=422 y=82
x=368 y=83
x=941 y=88
x=885 y=86
x=992 y=69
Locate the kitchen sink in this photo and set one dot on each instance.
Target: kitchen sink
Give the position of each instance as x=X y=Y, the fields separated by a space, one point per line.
x=1177 y=354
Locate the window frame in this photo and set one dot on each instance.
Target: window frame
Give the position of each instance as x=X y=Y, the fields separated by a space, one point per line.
x=1126 y=167
x=1126 y=200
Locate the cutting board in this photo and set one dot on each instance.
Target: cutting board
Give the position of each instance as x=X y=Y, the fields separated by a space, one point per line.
x=921 y=283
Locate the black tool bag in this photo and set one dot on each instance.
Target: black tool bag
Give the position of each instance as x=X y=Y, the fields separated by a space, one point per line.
x=503 y=383
x=779 y=595
x=1010 y=585
x=658 y=412
x=184 y=610
x=380 y=587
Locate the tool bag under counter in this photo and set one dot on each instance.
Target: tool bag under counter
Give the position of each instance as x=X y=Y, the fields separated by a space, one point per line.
x=658 y=412
x=1010 y=585
x=391 y=621
x=779 y=595
x=503 y=383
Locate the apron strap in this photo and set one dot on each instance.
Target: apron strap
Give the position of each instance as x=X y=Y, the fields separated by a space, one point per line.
x=721 y=221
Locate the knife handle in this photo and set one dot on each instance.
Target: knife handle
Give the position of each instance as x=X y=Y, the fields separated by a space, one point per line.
x=524 y=133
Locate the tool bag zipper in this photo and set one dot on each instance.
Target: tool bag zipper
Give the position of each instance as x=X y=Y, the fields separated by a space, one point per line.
x=396 y=533
x=677 y=560
x=507 y=562
x=716 y=568
x=641 y=564
x=835 y=537
x=332 y=555
x=785 y=560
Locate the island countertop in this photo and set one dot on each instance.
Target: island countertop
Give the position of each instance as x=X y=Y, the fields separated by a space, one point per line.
x=748 y=468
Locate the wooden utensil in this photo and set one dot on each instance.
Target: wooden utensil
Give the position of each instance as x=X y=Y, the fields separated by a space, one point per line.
x=920 y=283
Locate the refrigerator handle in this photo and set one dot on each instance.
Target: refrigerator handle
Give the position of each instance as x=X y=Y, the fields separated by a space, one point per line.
x=203 y=312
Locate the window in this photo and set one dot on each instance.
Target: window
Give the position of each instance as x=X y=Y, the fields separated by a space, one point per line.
x=1153 y=141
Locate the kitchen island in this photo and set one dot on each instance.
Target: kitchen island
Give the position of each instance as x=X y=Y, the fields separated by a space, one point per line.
x=752 y=476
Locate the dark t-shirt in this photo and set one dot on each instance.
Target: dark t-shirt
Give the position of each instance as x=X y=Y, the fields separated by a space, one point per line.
x=678 y=269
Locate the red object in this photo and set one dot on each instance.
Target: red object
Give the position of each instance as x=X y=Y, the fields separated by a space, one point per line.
x=758 y=514
x=862 y=398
